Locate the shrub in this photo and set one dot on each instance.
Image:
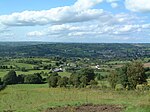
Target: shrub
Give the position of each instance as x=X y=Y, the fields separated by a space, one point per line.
x=1 y=81
x=93 y=83
x=89 y=73
x=62 y=82
x=10 y=78
x=52 y=81
x=20 y=79
x=119 y=87
x=75 y=80
x=113 y=78
x=99 y=76
x=84 y=81
x=33 y=79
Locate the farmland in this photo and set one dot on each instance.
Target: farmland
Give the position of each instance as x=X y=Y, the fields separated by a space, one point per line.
x=29 y=96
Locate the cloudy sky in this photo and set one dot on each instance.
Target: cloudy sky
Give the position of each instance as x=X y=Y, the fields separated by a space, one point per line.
x=123 y=21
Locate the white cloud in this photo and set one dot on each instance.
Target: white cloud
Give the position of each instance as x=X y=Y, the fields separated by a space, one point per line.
x=114 y=5
x=85 y=4
x=80 y=20
x=117 y=25
x=138 y=5
x=36 y=34
x=79 y=12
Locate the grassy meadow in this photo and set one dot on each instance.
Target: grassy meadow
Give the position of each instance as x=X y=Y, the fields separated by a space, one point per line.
x=36 y=98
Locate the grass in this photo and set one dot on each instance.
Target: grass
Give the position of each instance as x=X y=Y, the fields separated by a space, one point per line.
x=36 y=98
x=103 y=73
x=63 y=74
x=31 y=72
x=3 y=72
x=117 y=62
x=13 y=63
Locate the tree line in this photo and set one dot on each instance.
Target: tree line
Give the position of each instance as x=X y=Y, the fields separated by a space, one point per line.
x=129 y=76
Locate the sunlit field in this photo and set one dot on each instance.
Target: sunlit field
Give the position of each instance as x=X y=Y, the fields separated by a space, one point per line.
x=34 y=98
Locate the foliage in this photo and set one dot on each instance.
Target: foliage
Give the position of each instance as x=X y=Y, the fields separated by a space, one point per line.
x=1 y=81
x=93 y=83
x=10 y=78
x=113 y=79
x=102 y=51
x=99 y=76
x=75 y=80
x=20 y=79
x=62 y=82
x=136 y=74
x=84 y=81
x=131 y=75
x=52 y=81
x=33 y=79
x=88 y=73
x=122 y=76
x=23 y=69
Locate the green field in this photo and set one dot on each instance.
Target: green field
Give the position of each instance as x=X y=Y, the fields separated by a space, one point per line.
x=36 y=98
x=3 y=72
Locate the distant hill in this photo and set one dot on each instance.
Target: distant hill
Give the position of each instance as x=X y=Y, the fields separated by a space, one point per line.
x=101 y=50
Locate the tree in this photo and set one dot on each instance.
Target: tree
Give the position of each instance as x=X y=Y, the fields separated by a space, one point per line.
x=136 y=74
x=93 y=83
x=52 y=81
x=1 y=81
x=89 y=73
x=75 y=80
x=62 y=82
x=10 y=78
x=84 y=81
x=113 y=78
x=20 y=78
x=122 y=76
x=132 y=74
x=99 y=76
x=54 y=74
x=23 y=69
x=33 y=79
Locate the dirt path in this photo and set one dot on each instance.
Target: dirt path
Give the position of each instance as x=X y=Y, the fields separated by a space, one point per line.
x=87 y=108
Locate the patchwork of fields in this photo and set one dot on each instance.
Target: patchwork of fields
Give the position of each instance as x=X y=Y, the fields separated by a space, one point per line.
x=39 y=97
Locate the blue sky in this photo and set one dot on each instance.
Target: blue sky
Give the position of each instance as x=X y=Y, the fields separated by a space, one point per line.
x=109 y=21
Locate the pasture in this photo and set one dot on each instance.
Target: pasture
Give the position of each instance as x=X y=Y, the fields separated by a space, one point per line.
x=37 y=98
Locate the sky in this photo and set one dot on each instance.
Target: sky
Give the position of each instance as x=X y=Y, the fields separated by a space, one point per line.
x=90 y=21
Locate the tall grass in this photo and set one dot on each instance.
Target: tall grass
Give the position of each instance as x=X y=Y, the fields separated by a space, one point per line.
x=34 y=98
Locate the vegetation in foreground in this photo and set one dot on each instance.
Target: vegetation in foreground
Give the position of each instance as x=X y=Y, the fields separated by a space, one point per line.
x=35 y=82
x=34 y=98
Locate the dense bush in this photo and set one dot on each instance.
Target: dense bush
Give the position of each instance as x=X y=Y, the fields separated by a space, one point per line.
x=89 y=73
x=33 y=79
x=1 y=81
x=113 y=79
x=82 y=78
x=62 y=82
x=53 y=79
x=99 y=76
x=20 y=79
x=10 y=78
